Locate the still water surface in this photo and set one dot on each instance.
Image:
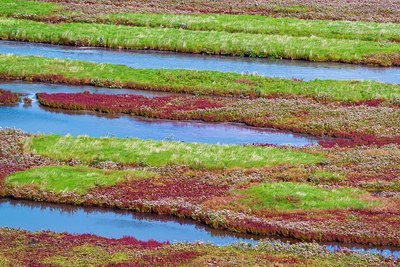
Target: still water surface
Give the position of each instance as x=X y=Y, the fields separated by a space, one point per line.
x=35 y=119
x=170 y=60
x=38 y=216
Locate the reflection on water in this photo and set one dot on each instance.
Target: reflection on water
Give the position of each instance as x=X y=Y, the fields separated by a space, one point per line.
x=168 y=60
x=110 y=223
x=34 y=118
x=115 y=223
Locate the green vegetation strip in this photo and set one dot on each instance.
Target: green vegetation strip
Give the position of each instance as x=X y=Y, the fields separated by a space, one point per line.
x=209 y=42
x=213 y=22
x=72 y=179
x=163 y=153
x=294 y=196
x=263 y=25
x=194 y=82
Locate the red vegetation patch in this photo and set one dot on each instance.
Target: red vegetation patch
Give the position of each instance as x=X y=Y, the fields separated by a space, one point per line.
x=389 y=174
x=377 y=10
x=73 y=240
x=170 y=259
x=192 y=190
x=34 y=249
x=370 y=103
x=7 y=169
x=359 y=139
x=348 y=122
x=7 y=97
x=131 y=104
x=383 y=59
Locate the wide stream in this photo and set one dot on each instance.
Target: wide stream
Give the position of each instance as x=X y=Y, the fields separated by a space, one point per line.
x=34 y=119
x=170 y=60
x=111 y=223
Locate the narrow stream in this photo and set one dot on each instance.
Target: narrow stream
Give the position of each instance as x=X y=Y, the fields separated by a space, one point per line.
x=169 y=60
x=118 y=223
x=35 y=119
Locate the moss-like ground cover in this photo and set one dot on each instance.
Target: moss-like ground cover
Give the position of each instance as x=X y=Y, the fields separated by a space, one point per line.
x=291 y=196
x=194 y=82
x=72 y=179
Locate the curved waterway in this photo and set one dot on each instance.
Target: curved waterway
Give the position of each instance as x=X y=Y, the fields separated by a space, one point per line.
x=113 y=223
x=170 y=60
x=36 y=119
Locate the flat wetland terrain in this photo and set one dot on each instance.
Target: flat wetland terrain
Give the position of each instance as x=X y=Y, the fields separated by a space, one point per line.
x=340 y=185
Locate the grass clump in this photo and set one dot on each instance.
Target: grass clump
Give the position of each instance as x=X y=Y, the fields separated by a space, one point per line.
x=286 y=196
x=163 y=153
x=311 y=48
x=187 y=81
x=72 y=179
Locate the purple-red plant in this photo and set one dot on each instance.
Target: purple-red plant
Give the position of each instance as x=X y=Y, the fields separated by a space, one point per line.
x=7 y=97
x=130 y=104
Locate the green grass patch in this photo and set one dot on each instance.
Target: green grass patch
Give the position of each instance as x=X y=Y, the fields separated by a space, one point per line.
x=72 y=179
x=194 y=82
x=163 y=153
x=296 y=196
x=22 y=8
x=367 y=31
x=312 y=48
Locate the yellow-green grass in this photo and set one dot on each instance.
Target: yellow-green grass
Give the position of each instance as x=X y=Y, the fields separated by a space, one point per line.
x=164 y=153
x=368 y=31
x=188 y=81
x=78 y=179
x=312 y=48
x=286 y=196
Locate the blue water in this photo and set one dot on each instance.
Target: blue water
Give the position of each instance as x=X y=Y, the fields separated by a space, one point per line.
x=37 y=119
x=169 y=60
x=33 y=216
x=39 y=216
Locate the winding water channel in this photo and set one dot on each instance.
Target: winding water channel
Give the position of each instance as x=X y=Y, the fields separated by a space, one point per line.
x=35 y=119
x=118 y=223
x=169 y=60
